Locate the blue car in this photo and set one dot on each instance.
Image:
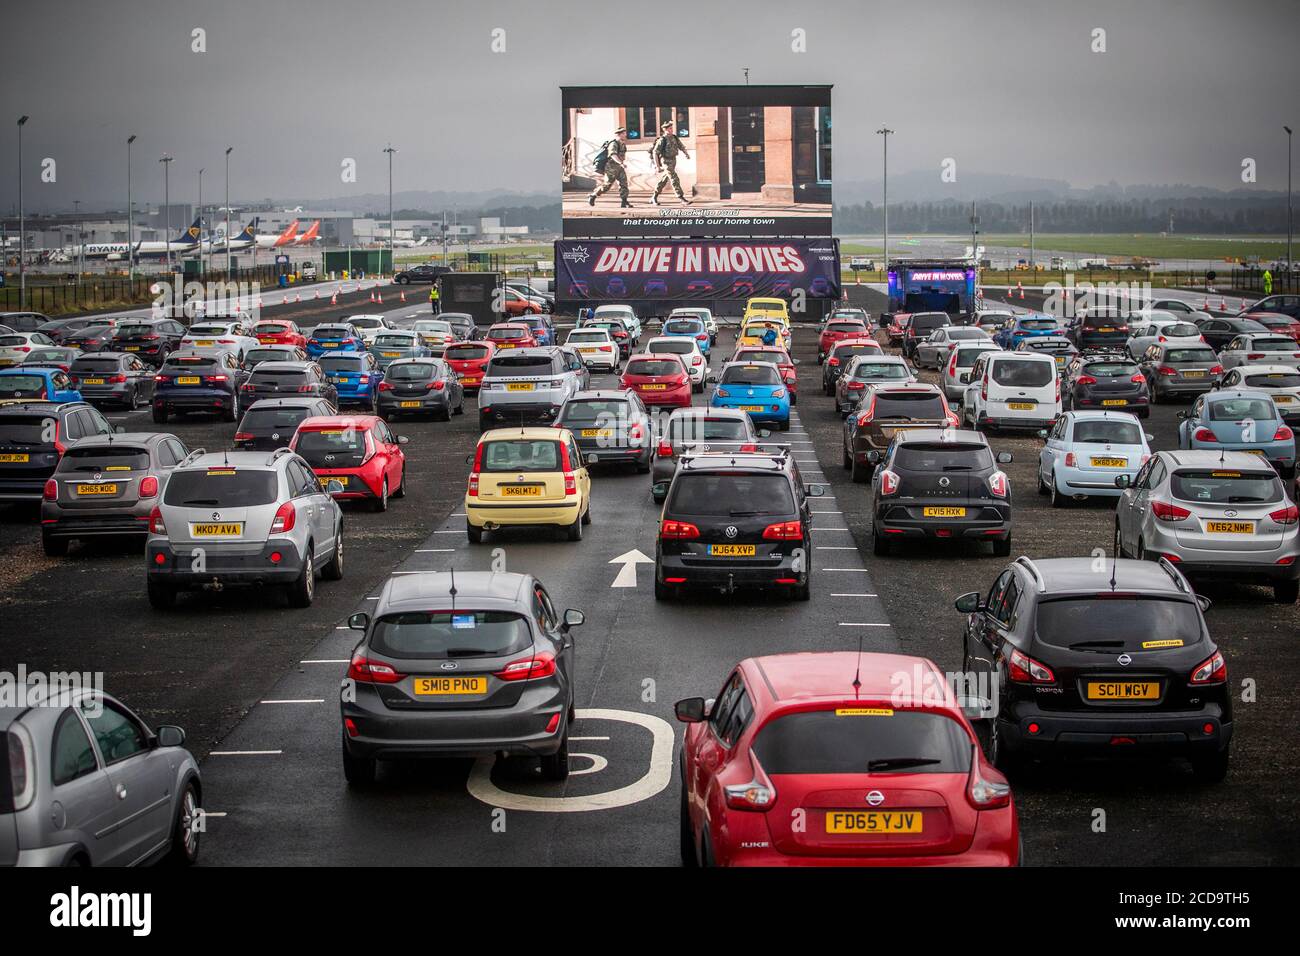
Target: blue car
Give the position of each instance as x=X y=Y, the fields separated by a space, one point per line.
x=1025 y=326
x=356 y=375
x=329 y=338
x=50 y=384
x=688 y=327
x=542 y=328
x=756 y=389
x=1239 y=420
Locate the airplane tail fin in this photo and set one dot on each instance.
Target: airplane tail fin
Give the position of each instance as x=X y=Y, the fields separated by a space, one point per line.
x=286 y=237
x=310 y=235
x=192 y=235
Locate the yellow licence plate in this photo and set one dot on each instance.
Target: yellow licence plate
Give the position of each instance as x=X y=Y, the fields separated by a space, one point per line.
x=520 y=491
x=652 y=387
x=223 y=529
x=187 y=380
x=519 y=387
x=267 y=340
x=1123 y=690
x=1109 y=462
x=1192 y=373
x=732 y=550
x=92 y=381
x=330 y=345
x=326 y=479
x=588 y=351
x=751 y=408
x=131 y=348
x=391 y=354
x=449 y=686
x=205 y=342
x=15 y=459
x=948 y=512
x=1022 y=406
x=99 y=489
x=1230 y=527
x=1283 y=399
x=1114 y=401
x=408 y=404
x=596 y=432
x=873 y=821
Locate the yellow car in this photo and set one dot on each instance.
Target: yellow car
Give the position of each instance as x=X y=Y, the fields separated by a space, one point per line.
x=527 y=476
x=752 y=330
x=775 y=308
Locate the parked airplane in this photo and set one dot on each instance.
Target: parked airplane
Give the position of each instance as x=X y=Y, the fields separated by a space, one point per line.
x=186 y=242
x=272 y=240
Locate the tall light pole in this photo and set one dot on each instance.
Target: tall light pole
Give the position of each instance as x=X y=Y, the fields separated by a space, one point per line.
x=1288 y=205
x=167 y=204
x=130 y=213
x=202 y=265
x=886 y=132
x=228 y=149
x=22 y=223
x=391 y=262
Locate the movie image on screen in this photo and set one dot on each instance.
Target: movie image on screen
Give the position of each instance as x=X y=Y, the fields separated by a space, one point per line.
x=739 y=161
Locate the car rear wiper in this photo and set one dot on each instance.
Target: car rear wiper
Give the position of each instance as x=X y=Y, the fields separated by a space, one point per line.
x=199 y=501
x=956 y=467
x=900 y=763
x=466 y=652
x=1244 y=499
x=1083 y=644
x=746 y=514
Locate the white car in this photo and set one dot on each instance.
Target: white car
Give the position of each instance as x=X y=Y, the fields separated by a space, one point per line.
x=596 y=348
x=1150 y=330
x=960 y=360
x=435 y=333
x=624 y=312
x=1259 y=347
x=1012 y=390
x=14 y=346
x=1281 y=382
x=697 y=366
x=222 y=336
x=369 y=326
x=1083 y=451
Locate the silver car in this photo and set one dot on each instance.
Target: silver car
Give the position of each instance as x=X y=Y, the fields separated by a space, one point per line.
x=87 y=783
x=388 y=347
x=1261 y=347
x=1218 y=515
x=470 y=665
x=525 y=386
x=933 y=351
x=960 y=361
x=244 y=518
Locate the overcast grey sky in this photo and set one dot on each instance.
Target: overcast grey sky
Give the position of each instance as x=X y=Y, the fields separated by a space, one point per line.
x=1185 y=90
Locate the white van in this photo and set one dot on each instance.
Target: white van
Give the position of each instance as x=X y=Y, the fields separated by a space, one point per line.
x=1011 y=390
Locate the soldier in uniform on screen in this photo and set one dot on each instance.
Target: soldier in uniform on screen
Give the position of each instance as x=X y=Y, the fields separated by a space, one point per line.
x=611 y=162
x=664 y=154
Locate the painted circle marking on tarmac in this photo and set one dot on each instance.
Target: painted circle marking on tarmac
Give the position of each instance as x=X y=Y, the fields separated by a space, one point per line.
x=598 y=763
x=656 y=778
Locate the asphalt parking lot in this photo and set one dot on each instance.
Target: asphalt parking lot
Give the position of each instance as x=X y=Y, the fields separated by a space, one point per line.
x=255 y=683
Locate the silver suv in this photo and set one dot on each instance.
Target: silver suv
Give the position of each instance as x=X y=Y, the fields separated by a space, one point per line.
x=244 y=518
x=525 y=386
x=1220 y=515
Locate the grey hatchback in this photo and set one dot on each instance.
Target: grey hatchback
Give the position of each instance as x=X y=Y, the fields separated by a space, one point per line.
x=85 y=782
x=460 y=665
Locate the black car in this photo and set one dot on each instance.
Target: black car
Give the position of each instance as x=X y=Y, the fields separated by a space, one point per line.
x=1107 y=380
x=1219 y=332
x=919 y=329
x=838 y=359
x=698 y=429
x=1070 y=660
x=1100 y=329
x=940 y=484
x=420 y=273
x=198 y=382
x=24 y=321
x=269 y=424
x=1282 y=304
x=151 y=339
x=736 y=520
x=30 y=448
x=462 y=326
x=93 y=338
x=113 y=378
x=276 y=379
x=610 y=426
x=60 y=329
x=419 y=386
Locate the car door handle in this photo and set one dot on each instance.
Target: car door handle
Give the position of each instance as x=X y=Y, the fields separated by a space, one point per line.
x=121 y=792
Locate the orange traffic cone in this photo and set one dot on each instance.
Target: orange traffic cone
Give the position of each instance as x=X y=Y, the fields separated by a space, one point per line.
x=380 y=298
x=334 y=299
x=1223 y=304
x=372 y=297
x=402 y=295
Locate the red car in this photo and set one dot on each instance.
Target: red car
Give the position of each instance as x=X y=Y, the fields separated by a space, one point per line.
x=837 y=758
x=779 y=357
x=511 y=335
x=659 y=379
x=358 y=450
x=469 y=360
x=279 y=332
x=1277 y=322
x=519 y=304
x=837 y=330
x=898 y=327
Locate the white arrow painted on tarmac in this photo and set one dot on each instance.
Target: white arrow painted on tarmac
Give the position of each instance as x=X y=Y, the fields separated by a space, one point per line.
x=627 y=573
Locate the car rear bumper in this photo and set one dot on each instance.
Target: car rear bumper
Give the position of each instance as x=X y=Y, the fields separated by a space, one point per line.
x=772 y=411
x=179 y=568
x=23 y=489
x=59 y=523
x=1118 y=733
x=115 y=393
x=515 y=413
x=727 y=574
x=428 y=402
x=1266 y=571
x=1195 y=386
x=199 y=400
x=594 y=452
x=896 y=526
x=1005 y=421
x=516 y=514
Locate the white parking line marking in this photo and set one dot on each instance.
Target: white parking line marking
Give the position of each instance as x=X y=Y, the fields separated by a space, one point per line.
x=828 y=512
x=214 y=813
x=830 y=529
x=449 y=532
x=322 y=660
x=845 y=569
x=589 y=738
x=305 y=700
x=244 y=753
x=859 y=624
x=850 y=594
x=435 y=550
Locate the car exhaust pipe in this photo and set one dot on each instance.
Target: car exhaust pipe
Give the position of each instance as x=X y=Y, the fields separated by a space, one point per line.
x=214 y=585
x=1080 y=497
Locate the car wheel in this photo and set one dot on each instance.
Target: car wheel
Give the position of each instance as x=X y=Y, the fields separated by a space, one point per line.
x=1142 y=554
x=1144 y=413
x=1117 y=548
x=459 y=409
x=643 y=467
x=1042 y=486
x=784 y=426
x=1058 y=500
x=1211 y=769
x=357 y=771
x=161 y=596
x=858 y=472
x=54 y=547
x=574 y=531
x=555 y=766
x=879 y=544
x=999 y=754
x=303 y=590
x=474 y=534
x=848 y=459
x=381 y=503
x=662 y=591
x=232 y=412
x=185 y=836
x=334 y=570
x=1286 y=592
x=686 y=839
x=159 y=415
x=586 y=515
x=1002 y=547
x=401 y=485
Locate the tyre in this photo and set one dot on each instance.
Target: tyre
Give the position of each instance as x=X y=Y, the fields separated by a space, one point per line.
x=1211 y=769
x=357 y=771
x=54 y=547
x=1058 y=500
x=586 y=515
x=474 y=534
x=1002 y=546
x=847 y=458
x=185 y=836
x=686 y=840
x=401 y=485
x=698 y=389
x=303 y=590
x=1006 y=760
x=784 y=426
x=159 y=415
x=1042 y=486
x=459 y=409
x=1286 y=592
x=1118 y=545
x=161 y=596
x=555 y=767
x=334 y=570
x=574 y=531
x=231 y=413
x=381 y=503
x=858 y=472
x=643 y=467
x=1144 y=413
x=662 y=591
x=803 y=592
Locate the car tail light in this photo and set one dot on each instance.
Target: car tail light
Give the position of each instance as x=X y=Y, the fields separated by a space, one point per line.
x=1167 y=370
x=678 y=530
x=665 y=450
x=313 y=341
x=473 y=475
x=363 y=379
x=1287 y=515
x=758 y=794
x=1283 y=434
x=365 y=671
x=1205 y=435
x=285 y=518
x=987 y=789
x=1167 y=512
x=953 y=420
x=998 y=484
x=784 y=531
x=984 y=389
x=385 y=387
x=244 y=436
x=779 y=393
x=1085 y=380
x=214 y=378
x=156 y=523
x=570 y=483
x=1070 y=459
x=161 y=378
x=539 y=665
x=1023 y=669
x=888 y=482
x=21 y=771
x=148 y=487
x=635 y=432
x=1212 y=670
x=116 y=379
x=832 y=361
x=1216 y=370
x=1138 y=379
x=719 y=391
x=435 y=386
x=51 y=492
x=1254 y=355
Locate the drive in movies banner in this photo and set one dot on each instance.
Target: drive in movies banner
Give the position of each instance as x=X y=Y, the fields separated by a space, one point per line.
x=684 y=269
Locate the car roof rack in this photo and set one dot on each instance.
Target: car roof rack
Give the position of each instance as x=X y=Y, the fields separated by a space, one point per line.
x=1028 y=564
x=1179 y=581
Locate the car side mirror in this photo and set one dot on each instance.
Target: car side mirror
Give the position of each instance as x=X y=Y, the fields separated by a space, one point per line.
x=333 y=487
x=969 y=603
x=965 y=378
x=120 y=430
x=169 y=735
x=1004 y=458
x=1204 y=602
x=798 y=361
x=1149 y=436
x=1123 y=481
x=403 y=440
x=359 y=621
x=977 y=708
x=873 y=457
x=814 y=491
x=692 y=710
x=1042 y=433
x=764 y=433
x=573 y=618
x=1184 y=414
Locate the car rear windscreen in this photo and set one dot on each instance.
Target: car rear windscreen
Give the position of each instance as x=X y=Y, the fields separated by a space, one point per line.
x=1180 y=330
x=762 y=374
x=880 y=370
x=1016 y=373
x=1274 y=380
x=189 y=364
x=466 y=352
x=105 y=458
x=271 y=328
x=330 y=335
x=1037 y=325
x=126 y=331
x=1111 y=368
x=263 y=375
x=578 y=336
x=22 y=386
x=1100 y=431
x=696 y=428
x=84 y=366
x=1191 y=355
x=507 y=333
x=437 y=635
x=684 y=327
x=221 y=487
x=26 y=430
x=395 y=341
x=919 y=406
x=845 y=327
x=339 y=363
x=966 y=357
x=1273 y=345
x=253 y=356
x=520 y=365
x=861 y=740
x=1226 y=486
x=521 y=454
x=654 y=367
x=727 y=495
x=943 y=456
x=587 y=410
x=1239 y=409
x=208 y=330
x=332 y=447
x=411 y=372
x=266 y=421
x=1113 y=624
x=928 y=323
x=680 y=347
